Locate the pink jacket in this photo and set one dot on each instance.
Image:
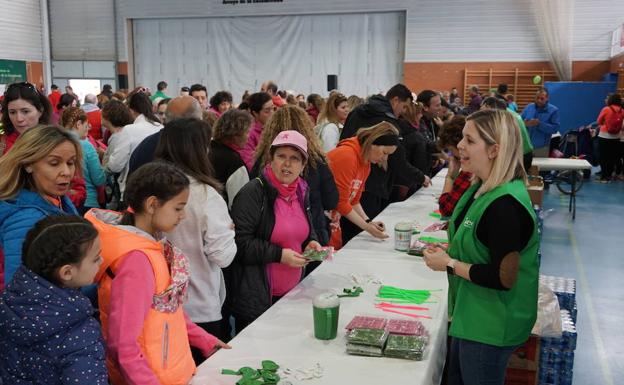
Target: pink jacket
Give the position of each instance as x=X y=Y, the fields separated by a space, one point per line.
x=252 y=142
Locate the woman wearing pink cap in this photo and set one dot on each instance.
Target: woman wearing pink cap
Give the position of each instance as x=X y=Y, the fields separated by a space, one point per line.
x=273 y=226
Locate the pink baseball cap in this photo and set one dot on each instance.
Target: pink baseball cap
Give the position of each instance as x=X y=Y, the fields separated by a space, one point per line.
x=292 y=138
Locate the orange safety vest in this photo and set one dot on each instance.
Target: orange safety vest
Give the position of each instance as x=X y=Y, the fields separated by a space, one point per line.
x=164 y=338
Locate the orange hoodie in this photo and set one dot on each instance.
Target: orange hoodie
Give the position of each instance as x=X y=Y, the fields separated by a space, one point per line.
x=350 y=173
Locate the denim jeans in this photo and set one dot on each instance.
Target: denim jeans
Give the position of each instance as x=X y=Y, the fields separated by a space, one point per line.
x=475 y=363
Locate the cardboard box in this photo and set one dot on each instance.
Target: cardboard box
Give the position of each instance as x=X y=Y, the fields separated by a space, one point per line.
x=533 y=170
x=536 y=190
x=523 y=367
x=521 y=377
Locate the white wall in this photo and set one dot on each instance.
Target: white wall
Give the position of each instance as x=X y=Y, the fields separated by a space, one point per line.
x=296 y=51
x=436 y=31
x=443 y=30
x=20 y=30
x=82 y=29
x=594 y=22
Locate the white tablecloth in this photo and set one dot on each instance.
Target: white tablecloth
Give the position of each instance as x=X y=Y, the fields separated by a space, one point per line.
x=284 y=333
x=548 y=164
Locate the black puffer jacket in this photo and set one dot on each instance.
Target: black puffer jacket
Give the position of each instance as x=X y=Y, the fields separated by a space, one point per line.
x=323 y=196
x=418 y=150
x=376 y=110
x=247 y=283
x=429 y=129
x=229 y=169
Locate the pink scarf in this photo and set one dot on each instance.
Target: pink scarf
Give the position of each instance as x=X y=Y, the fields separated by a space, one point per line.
x=215 y=111
x=233 y=146
x=285 y=191
x=169 y=300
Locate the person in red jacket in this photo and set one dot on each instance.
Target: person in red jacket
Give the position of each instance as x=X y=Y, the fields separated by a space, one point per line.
x=271 y=88
x=350 y=163
x=94 y=115
x=608 y=141
x=54 y=97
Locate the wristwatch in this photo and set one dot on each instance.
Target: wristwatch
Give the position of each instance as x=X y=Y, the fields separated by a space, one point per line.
x=450 y=267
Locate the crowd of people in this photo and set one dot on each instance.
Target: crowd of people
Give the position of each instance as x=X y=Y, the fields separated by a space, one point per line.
x=173 y=215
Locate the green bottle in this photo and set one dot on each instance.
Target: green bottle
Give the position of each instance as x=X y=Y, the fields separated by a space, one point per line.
x=325 y=310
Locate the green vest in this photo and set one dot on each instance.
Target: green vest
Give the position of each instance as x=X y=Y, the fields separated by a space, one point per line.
x=526 y=141
x=495 y=317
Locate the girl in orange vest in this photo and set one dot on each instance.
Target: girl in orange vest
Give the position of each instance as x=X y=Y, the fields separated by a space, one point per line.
x=143 y=282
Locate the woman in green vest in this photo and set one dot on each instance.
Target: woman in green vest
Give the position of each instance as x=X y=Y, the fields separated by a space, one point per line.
x=492 y=257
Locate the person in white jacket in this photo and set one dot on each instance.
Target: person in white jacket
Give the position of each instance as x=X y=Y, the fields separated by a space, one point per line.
x=206 y=235
x=115 y=116
x=331 y=119
x=145 y=124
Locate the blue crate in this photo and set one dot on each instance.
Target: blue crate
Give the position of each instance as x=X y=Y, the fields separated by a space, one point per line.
x=556 y=360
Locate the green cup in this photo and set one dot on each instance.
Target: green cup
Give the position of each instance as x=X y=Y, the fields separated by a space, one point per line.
x=325 y=310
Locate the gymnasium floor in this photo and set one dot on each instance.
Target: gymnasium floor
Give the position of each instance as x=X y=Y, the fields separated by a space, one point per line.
x=591 y=250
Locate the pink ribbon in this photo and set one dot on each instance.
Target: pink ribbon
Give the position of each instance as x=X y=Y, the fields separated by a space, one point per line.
x=407 y=307
x=403 y=313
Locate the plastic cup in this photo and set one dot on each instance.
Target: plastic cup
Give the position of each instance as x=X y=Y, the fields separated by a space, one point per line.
x=325 y=310
x=402 y=236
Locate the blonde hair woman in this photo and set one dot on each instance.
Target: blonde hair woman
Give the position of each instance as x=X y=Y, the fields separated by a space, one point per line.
x=318 y=176
x=35 y=178
x=412 y=113
x=492 y=259
x=354 y=101
x=331 y=120
x=350 y=163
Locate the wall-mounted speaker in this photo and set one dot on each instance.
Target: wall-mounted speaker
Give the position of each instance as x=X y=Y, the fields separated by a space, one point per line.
x=122 y=82
x=332 y=82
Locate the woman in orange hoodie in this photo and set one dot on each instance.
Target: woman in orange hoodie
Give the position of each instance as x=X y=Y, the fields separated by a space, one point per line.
x=142 y=283
x=350 y=163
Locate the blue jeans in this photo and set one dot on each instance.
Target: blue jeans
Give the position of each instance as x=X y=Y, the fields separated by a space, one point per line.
x=475 y=363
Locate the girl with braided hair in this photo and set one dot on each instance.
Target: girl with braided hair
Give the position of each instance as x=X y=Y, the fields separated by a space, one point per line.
x=143 y=283
x=47 y=330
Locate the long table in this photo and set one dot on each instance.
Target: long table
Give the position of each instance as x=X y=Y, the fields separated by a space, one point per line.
x=564 y=164
x=284 y=333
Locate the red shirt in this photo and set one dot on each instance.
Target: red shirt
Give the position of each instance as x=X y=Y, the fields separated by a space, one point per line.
x=54 y=98
x=449 y=200
x=7 y=141
x=278 y=101
x=95 y=120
